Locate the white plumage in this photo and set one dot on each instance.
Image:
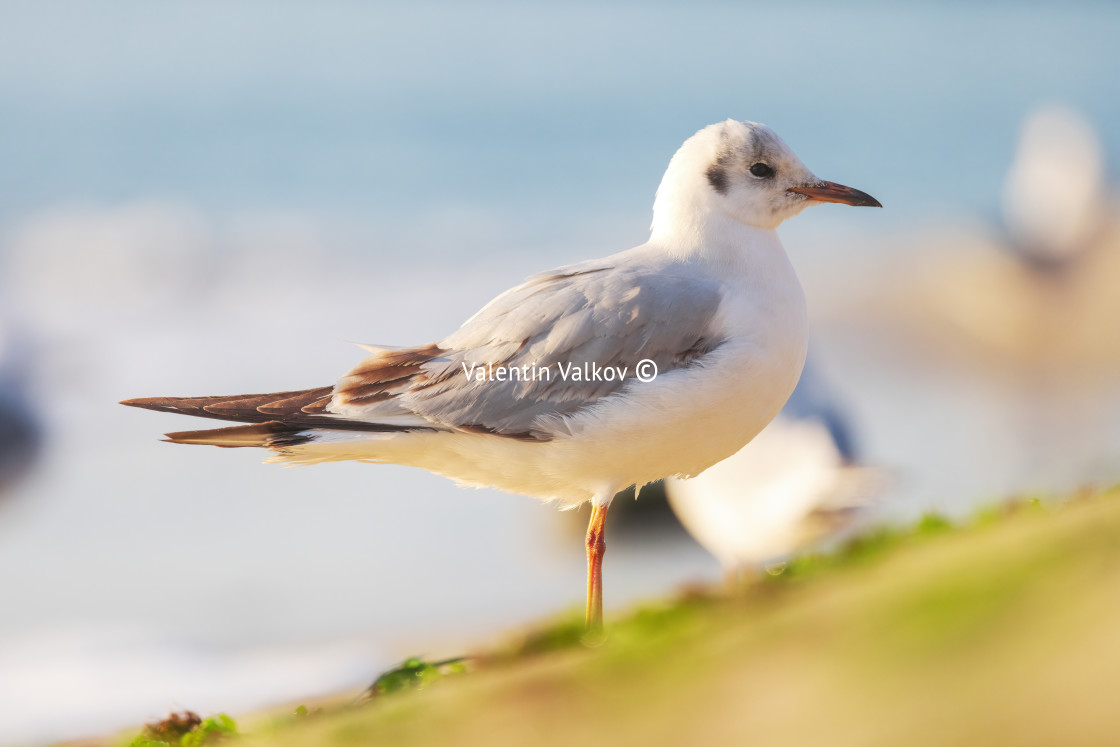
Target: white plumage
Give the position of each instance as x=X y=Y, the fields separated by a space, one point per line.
x=796 y=485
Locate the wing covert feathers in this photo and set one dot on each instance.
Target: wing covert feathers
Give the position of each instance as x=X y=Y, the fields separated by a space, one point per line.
x=384 y=374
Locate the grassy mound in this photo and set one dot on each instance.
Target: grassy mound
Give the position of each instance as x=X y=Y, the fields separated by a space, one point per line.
x=1002 y=631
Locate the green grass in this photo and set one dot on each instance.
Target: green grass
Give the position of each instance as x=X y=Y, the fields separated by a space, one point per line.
x=413 y=674
x=185 y=729
x=1001 y=630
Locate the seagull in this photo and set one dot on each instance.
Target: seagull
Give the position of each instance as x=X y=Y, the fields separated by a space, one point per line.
x=795 y=486
x=656 y=361
x=1056 y=193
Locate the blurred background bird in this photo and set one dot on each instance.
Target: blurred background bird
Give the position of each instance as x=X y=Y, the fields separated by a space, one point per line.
x=1056 y=198
x=20 y=429
x=1014 y=316
x=1036 y=290
x=796 y=486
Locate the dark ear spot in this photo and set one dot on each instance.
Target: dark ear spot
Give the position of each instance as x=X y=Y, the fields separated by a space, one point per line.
x=718 y=174
x=717 y=177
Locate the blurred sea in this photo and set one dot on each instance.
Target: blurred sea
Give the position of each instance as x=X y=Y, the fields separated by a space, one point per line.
x=213 y=198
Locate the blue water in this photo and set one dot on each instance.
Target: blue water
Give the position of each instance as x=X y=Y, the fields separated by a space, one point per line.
x=530 y=109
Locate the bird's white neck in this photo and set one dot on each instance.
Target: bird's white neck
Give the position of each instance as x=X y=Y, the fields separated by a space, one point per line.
x=692 y=230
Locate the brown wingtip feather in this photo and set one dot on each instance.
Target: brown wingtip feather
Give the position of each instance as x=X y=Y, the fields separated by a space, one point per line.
x=286 y=413
x=244 y=408
x=149 y=403
x=273 y=420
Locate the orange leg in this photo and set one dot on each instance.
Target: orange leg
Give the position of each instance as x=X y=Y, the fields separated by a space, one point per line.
x=596 y=547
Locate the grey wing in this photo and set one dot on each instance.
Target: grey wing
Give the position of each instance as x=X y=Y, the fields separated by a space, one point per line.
x=585 y=315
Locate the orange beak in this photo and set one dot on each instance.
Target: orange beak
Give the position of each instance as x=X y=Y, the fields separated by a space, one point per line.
x=833 y=192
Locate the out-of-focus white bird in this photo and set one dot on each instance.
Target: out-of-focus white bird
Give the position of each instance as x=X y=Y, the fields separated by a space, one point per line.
x=20 y=431
x=656 y=361
x=794 y=486
x=1055 y=195
x=1043 y=302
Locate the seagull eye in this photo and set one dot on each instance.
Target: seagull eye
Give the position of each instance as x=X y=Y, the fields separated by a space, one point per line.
x=761 y=170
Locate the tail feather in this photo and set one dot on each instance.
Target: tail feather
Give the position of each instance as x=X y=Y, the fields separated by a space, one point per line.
x=276 y=420
x=269 y=434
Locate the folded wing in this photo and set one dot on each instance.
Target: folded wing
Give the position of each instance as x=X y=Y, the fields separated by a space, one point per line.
x=489 y=376
x=511 y=370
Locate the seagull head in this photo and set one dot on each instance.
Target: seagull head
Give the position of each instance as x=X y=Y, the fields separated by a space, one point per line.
x=745 y=171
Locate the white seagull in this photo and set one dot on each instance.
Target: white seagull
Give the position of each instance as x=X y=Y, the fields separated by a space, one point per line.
x=796 y=485
x=1056 y=194
x=660 y=360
